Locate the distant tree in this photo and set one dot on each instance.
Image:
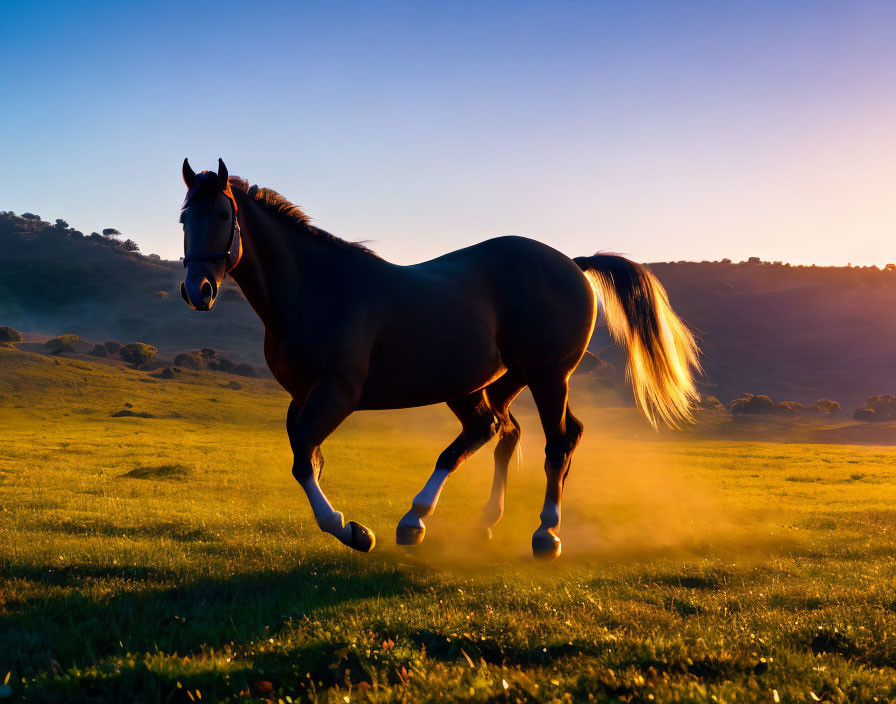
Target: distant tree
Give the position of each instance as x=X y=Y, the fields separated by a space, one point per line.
x=61 y=224
x=711 y=403
x=75 y=233
x=749 y=404
x=112 y=346
x=244 y=369
x=890 y=267
x=9 y=335
x=789 y=408
x=63 y=343
x=30 y=216
x=190 y=360
x=111 y=232
x=826 y=406
x=131 y=246
x=754 y=261
x=99 y=351
x=726 y=260
x=138 y=353
x=154 y=257
x=877 y=408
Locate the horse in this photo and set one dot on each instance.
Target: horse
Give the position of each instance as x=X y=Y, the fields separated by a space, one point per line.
x=346 y=330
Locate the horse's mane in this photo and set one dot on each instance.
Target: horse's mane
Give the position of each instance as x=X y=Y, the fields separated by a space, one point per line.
x=290 y=214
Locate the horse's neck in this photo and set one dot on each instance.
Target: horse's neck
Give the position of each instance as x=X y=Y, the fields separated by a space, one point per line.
x=278 y=263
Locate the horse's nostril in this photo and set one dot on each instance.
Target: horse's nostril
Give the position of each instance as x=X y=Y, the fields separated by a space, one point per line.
x=206 y=292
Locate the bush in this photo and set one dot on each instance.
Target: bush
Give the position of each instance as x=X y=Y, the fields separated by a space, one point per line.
x=63 y=343
x=112 y=347
x=99 y=351
x=244 y=369
x=789 y=408
x=190 y=360
x=826 y=406
x=877 y=408
x=225 y=365
x=748 y=404
x=710 y=403
x=9 y=335
x=138 y=353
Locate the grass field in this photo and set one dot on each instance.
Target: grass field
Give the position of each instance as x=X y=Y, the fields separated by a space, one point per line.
x=173 y=558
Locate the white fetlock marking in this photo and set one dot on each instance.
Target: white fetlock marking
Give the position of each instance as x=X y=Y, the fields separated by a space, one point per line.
x=425 y=502
x=329 y=520
x=411 y=519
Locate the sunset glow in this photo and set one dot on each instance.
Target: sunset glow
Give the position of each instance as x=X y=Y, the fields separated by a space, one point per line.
x=662 y=131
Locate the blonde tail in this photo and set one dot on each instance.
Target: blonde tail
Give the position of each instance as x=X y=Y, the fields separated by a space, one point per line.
x=663 y=355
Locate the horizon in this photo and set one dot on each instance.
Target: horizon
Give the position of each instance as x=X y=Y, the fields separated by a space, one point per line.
x=683 y=133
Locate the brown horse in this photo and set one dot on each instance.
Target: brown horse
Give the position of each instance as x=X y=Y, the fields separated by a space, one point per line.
x=346 y=330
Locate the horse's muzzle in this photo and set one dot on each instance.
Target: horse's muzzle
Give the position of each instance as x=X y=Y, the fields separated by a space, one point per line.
x=199 y=295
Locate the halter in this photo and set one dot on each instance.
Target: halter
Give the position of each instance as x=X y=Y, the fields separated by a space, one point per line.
x=227 y=255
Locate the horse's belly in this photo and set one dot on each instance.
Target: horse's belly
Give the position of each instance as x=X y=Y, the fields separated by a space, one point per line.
x=432 y=376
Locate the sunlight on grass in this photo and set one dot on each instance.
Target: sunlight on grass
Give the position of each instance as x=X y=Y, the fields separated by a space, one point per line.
x=173 y=558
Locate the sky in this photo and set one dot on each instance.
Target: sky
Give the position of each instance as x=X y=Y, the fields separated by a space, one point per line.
x=662 y=130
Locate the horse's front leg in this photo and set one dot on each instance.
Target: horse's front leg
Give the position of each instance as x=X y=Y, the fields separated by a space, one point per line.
x=480 y=424
x=330 y=401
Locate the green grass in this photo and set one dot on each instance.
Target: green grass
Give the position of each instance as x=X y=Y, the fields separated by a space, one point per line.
x=173 y=558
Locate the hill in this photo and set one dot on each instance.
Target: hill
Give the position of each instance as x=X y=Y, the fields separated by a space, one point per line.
x=792 y=332
x=55 y=280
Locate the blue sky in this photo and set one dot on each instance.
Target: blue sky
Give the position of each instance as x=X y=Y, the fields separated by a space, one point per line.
x=664 y=130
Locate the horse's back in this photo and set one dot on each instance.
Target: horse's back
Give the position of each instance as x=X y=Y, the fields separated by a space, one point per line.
x=542 y=303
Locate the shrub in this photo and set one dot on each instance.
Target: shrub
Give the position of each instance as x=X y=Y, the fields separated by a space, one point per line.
x=225 y=365
x=9 y=335
x=826 y=406
x=99 y=351
x=63 y=343
x=877 y=408
x=138 y=353
x=112 y=347
x=244 y=369
x=749 y=404
x=789 y=408
x=710 y=403
x=190 y=360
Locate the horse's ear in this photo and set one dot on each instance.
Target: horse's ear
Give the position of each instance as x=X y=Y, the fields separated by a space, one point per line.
x=189 y=174
x=222 y=173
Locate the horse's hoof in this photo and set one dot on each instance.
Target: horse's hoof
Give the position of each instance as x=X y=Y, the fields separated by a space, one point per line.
x=362 y=539
x=546 y=546
x=410 y=535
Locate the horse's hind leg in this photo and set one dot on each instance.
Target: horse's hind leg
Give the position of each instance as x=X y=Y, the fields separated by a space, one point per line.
x=479 y=425
x=500 y=395
x=562 y=433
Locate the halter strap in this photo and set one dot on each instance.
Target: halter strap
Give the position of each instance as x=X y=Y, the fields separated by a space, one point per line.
x=226 y=255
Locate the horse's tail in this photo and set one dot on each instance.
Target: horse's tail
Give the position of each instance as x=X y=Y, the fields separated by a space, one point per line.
x=663 y=355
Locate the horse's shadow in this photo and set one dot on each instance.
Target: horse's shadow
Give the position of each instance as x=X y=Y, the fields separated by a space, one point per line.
x=62 y=618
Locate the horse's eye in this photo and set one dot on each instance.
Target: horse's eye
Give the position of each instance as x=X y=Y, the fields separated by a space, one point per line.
x=223 y=215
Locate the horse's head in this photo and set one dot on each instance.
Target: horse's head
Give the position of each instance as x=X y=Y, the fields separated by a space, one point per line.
x=212 y=246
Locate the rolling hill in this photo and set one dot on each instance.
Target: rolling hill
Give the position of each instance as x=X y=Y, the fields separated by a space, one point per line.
x=794 y=333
